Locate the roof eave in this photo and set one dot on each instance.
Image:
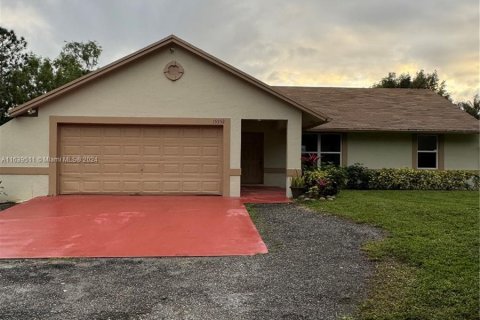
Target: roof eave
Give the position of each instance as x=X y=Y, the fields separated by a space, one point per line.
x=422 y=130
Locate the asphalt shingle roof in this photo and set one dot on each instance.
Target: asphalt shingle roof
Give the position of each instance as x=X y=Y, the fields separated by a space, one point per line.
x=379 y=109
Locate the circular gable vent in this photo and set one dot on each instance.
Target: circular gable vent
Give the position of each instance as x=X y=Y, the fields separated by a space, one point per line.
x=173 y=70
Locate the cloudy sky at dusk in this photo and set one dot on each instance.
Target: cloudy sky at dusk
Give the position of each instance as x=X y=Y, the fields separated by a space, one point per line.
x=282 y=42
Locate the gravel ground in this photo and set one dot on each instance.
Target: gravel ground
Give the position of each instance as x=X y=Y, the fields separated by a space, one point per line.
x=315 y=270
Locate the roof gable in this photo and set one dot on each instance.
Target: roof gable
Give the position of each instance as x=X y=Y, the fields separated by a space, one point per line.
x=316 y=116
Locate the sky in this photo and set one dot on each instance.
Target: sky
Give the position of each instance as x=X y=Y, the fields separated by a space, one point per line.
x=281 y=42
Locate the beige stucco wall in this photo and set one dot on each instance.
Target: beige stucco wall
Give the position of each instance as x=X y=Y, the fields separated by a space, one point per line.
x=23 y=187
x=394 y=150
x=462 y=151
x=380 y=150
x=141 y=90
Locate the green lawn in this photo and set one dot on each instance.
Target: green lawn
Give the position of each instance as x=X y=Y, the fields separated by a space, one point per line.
x=428 y=264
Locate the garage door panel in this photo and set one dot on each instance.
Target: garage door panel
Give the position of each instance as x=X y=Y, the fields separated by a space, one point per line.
x=211 y=168
x=91 y=150
x=134 y=168
x=172 y=186
x=71 y=186
x=153 y=150
x=141 y=159
x=192 y=186
x=174 y=132
x=112 y=132
x=192 y=132
x=93 y=168
x=71 y=167
x=152 y=168
x=132 y=186
x=71 y=131
x=91 y=186
x=192 y=151
x=151 y=186
x=112 y=186
x=171 y=168
x=211 y=151
x=112 y=150
x=135 y=132
x=152 y=132
x=72 y=149
x=172 y=150
x=91 y=131
x=210 y=186
x=131 y=150
x=191 y=168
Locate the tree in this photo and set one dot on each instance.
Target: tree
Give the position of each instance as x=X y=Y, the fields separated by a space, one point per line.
x=13 y=57
x=75 y=60
x=421 y=80
x=471 y=107
x=24 y=75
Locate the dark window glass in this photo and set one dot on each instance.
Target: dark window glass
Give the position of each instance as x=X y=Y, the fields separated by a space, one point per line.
x=427 y=160
x=427 y=143
x=330 y=158
x=330 y=143
x=309 y=143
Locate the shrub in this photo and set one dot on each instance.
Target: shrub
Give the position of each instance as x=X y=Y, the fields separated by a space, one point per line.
x=298 y=182
x=412 y=179
x=337 y=174
x=358 y=176
x=310 y=162
x=319 y=183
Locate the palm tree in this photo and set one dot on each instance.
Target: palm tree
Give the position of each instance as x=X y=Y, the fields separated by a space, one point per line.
x=471 y=107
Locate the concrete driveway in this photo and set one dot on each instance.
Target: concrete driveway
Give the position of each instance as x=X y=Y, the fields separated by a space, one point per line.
x=128 y=226
x=315 y=269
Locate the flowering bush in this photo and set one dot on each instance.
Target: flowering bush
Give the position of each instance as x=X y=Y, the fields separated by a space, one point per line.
x=319 y=183
x=310 y=161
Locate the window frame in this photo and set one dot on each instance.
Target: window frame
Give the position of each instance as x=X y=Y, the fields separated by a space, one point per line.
x=436 y=151
x=319 y=148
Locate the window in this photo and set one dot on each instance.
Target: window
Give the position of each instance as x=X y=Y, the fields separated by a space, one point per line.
x=427 y=152
x=328 y=147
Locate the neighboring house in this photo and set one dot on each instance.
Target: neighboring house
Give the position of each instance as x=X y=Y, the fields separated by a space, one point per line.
x=171 y=118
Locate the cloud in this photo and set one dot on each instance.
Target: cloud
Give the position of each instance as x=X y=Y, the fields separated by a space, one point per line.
x=309 y=42
x=28 y=22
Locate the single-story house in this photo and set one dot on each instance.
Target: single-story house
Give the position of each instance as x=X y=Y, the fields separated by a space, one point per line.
x=172 y=119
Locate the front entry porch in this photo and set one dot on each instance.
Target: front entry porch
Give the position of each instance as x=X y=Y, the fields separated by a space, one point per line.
x=264 y=160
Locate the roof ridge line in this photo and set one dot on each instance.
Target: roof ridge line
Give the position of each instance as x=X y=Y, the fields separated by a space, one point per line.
x=36 y=102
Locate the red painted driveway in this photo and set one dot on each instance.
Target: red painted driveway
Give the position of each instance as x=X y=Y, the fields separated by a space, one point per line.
x=128 y=226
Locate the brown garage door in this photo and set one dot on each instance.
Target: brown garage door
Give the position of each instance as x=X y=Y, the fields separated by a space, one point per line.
x=140 y=159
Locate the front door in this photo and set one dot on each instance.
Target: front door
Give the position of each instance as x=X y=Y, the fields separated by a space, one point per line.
x=252 y=158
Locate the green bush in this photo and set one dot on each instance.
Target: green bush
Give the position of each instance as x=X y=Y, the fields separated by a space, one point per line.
x=297 y=182
x=413 y=179
x=337 y=174
x=321 y=182
x=358 y=176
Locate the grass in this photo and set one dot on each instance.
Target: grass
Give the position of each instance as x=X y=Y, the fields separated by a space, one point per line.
x=428 y=264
